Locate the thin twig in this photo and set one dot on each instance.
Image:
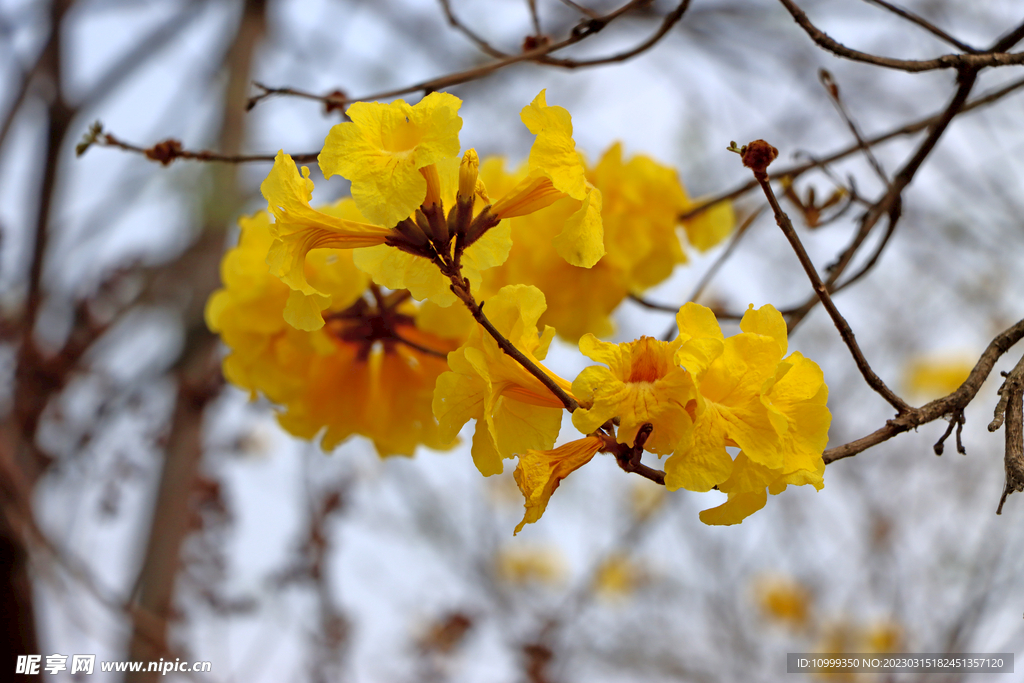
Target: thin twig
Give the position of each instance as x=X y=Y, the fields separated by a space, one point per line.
x=539 y=54
x=873 y=380
x=976 y=60
x=925 y=24
x=167 y=151
x=628 y=457
x=794 y=172
x=709 y=274
x=509 y=348
x=832 y=88
x=465 y=30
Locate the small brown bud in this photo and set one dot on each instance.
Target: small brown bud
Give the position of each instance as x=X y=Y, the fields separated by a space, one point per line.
x=531 y=43
x=758 y=155
x=165 y=152
x=335 y=101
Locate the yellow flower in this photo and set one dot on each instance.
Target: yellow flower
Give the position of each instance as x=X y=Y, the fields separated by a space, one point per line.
x=748 y=397
x=783 y=600
x=514 y=411
x=556 y=171
x=796 y=398
x=539 y=473
x=363 y=373
x=407 y=180
x=299 y=229
x=931 y=378
x=641 y=204
x=523 y=565
x=618 y=576
x=729 y=374
x=884 y=637
x=641 y=384
x=382 y=149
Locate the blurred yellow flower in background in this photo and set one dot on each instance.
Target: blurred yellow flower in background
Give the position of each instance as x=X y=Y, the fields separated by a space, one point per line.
x=784 y=601
x=521 y=565
x=932 y=377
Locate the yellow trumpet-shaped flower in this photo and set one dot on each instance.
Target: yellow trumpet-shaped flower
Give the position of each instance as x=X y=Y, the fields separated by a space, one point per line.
x=642 y=201
x=299 y=229
x=514 y=411
x=729 y=374
x=641 y=384
x=427 y=212
x=397 y=269
x=556 y=171
x=796 y=399
x=370 y=371
x=539 y=473
x=748 y=396
x=382 y=149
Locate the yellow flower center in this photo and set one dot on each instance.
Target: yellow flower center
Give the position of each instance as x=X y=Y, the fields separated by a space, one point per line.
x=402 y=138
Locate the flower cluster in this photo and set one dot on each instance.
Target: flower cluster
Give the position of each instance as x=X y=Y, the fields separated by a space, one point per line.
x=641 y=204
x=702 y=393
x=319 y=309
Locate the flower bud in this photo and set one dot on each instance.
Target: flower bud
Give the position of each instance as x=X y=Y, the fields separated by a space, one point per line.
x=433 y=186
x=468 y=171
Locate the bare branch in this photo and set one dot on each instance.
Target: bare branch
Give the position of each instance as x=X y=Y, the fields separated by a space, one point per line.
x=873 y=380
x=950 y=61
x=167 y=151
x=925 y=24
x=947 y=405
x=539 y=54
x=794 y=172
x=480 y=41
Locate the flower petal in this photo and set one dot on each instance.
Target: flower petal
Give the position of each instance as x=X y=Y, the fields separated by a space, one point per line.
x=539 y=473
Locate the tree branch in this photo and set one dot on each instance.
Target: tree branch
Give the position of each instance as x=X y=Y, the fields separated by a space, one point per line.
x=759 y=166
x=950 y=61
x=947 y=405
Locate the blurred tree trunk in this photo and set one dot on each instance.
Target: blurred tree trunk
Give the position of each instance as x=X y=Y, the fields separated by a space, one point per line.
x=36 y=378
x=197 y=370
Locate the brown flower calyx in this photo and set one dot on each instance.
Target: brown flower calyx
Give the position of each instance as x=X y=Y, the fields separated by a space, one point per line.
x=758 y=155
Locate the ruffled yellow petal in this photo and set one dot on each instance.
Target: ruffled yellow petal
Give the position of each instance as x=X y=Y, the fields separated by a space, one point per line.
x=554 y=150
x=641 y=385
x=767 y=321
x=514 y=411
x=383 y=147
x=581 y=242
x=539 y=473
x=734 y=383
x=706 y=463
x=738 y=507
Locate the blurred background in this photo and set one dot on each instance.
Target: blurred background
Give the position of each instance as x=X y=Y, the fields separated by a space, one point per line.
x=136 y=483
